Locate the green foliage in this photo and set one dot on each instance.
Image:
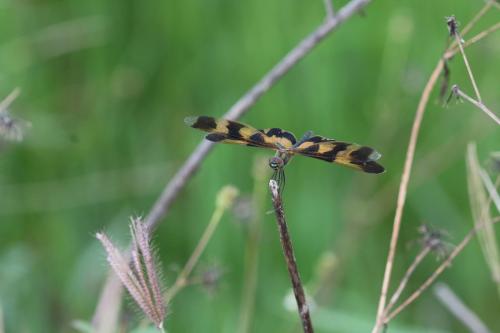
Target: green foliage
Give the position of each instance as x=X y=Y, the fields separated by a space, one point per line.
x=106 y=86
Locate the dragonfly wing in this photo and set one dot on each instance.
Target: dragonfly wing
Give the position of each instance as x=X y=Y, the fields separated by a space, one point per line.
x=228 y=131
x=358 y=157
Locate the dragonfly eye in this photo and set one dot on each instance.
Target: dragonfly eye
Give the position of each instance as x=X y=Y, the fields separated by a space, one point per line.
x=276 y=163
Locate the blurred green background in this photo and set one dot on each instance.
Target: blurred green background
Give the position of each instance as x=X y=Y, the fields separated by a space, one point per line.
x=106 y=85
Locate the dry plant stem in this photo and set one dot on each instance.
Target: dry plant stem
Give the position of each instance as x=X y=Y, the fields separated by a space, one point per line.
x=453 y=47
x=403 y=187
x=479 y=15
x=453 y=50
x=424 y=99
x=456 y=90
x=445 y=264
x=467 y=65
x=170 y=192
x=182 y=278
x=404 y=281
x=465 y=315
x=286 y=244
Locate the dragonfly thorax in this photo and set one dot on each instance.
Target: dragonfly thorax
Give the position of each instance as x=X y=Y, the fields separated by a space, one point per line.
x=279 y=160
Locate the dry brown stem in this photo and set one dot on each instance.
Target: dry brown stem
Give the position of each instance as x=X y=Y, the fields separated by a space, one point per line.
x=445 y=264
x=458 y=92
x=287 y=246
x=403 y=188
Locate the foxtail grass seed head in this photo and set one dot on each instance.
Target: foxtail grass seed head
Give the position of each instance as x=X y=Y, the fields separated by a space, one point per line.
x=140 y=277
x=226 y=196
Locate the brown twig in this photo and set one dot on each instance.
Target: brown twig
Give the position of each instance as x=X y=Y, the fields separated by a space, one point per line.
x=403 y=187
x=478 y=16
x=424 y=99
x=453 y=49
x=455 y=90
x=445 y=264
x=286 y=244
x=404 y=281
x=452 y=24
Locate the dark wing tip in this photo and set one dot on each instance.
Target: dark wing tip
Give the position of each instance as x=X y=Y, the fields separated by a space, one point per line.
x=204 y=123
x=372 y=167
x=365 y=154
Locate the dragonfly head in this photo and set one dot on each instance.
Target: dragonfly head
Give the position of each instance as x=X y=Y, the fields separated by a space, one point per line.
x=276 y=163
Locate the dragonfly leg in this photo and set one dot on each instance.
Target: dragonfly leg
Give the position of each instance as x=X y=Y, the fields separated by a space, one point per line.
x=279 y=177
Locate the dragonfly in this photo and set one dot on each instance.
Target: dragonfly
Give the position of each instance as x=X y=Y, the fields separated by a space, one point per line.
x=286 y=145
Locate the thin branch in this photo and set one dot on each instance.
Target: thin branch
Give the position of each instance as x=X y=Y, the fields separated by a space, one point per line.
x=404 y=281
x=455 y=305
x=479 y=15
x=453 y=50
x=162 y=205
x=452 y=23
x=293 y=271
x=403 y=188
x=329 y=9
x=424 y=99
x=458 y=92
x=445 y=264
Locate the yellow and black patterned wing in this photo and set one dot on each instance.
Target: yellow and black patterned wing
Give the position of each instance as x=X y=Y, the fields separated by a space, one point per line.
x=362 y=158
x=228 y=131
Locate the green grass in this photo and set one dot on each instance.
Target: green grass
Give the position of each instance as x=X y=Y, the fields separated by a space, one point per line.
x=106 y=85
